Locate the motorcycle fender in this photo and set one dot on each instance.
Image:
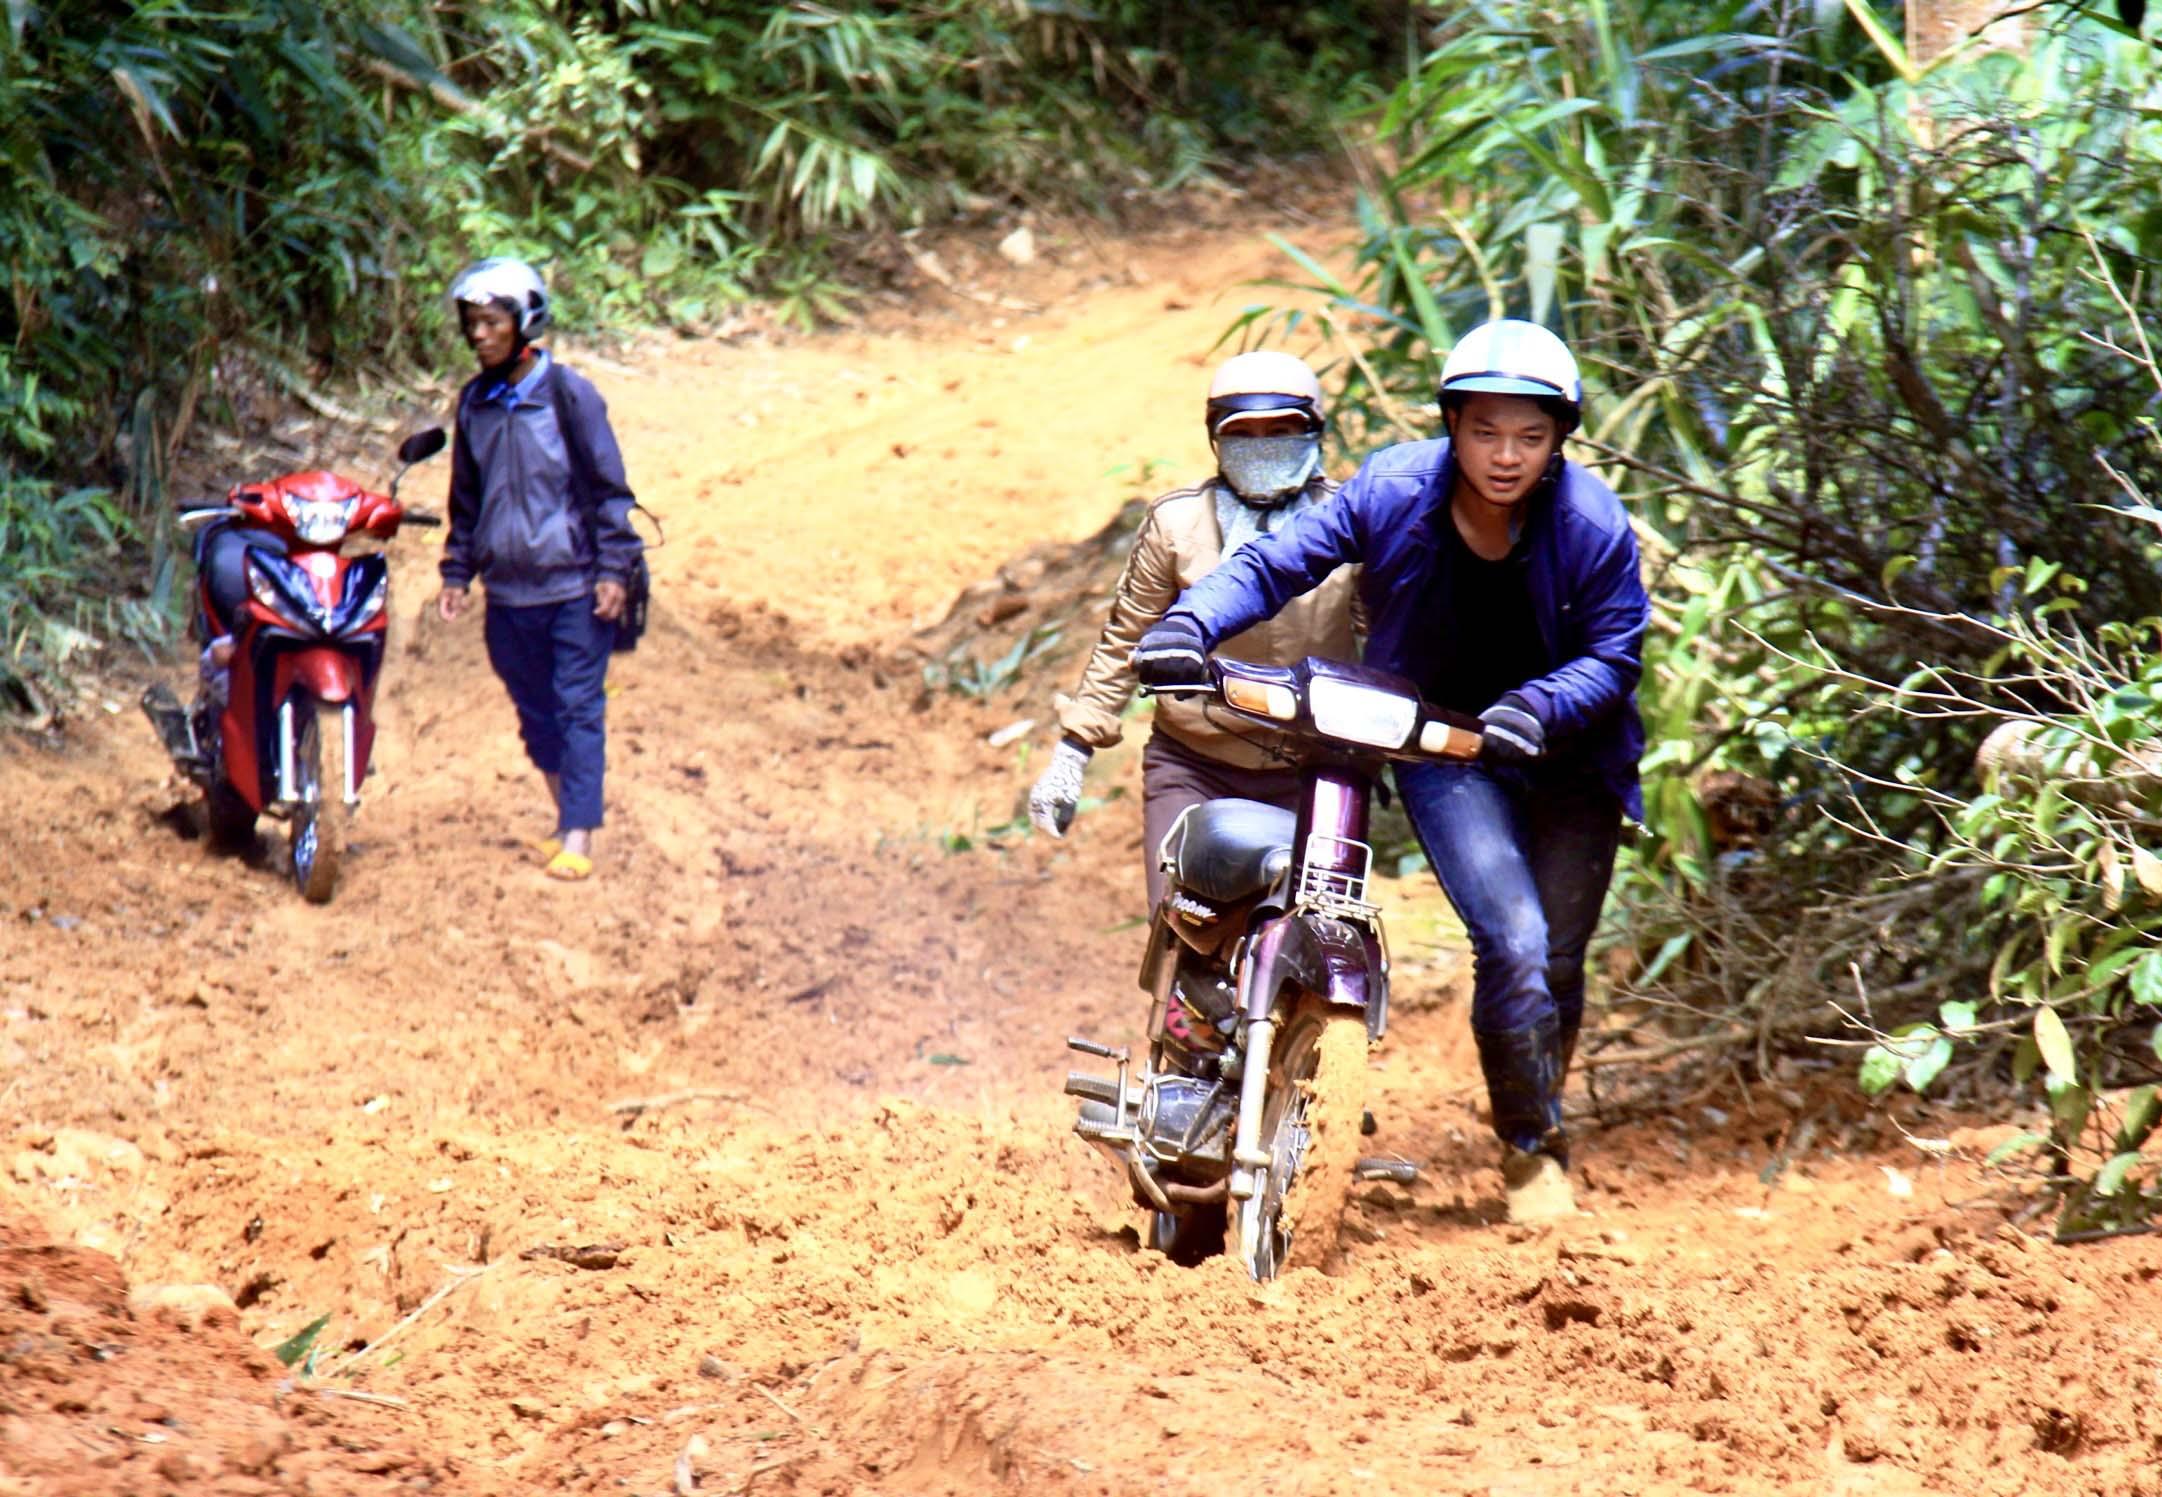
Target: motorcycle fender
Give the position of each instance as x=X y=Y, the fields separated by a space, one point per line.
x=1316 y=954
x=326 y=675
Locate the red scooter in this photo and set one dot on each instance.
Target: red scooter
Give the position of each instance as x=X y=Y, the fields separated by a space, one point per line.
x=290 y=733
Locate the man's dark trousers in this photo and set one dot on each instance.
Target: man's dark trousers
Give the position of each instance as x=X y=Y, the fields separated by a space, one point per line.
x=553 y=657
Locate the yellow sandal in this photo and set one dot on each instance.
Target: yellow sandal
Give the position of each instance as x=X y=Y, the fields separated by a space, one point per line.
x=569 y=866
x=548 y=847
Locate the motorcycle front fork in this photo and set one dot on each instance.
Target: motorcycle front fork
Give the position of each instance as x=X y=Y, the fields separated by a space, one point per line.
x=1249 y=1161
x=289 y=788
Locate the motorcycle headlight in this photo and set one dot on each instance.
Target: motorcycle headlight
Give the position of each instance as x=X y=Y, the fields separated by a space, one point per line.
x=321 y=522
x=265 y=592
x=1362 y=714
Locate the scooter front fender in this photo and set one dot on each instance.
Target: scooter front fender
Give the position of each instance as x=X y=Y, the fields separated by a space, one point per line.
x=326 y=675
x=1319 y=954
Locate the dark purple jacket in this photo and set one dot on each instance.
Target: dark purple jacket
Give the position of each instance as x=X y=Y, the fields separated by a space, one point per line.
x=1582 y=571
x=539 y=506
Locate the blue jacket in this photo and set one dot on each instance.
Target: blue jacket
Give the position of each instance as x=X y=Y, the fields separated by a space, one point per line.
x=539 y=506
x=1582 y=571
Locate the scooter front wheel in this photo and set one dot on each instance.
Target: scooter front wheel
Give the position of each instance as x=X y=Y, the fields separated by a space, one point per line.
x=319 y=811
x=1310 y=1122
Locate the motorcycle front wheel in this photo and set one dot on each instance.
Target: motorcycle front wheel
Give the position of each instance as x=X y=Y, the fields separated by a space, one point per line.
x=319 y=812
x=1310 y=1120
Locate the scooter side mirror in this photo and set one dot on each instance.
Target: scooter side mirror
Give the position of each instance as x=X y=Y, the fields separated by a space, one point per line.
x=417 y=448
x=422 y=445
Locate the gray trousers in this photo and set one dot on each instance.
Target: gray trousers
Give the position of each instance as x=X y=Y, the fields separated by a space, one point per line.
x=1174 y=777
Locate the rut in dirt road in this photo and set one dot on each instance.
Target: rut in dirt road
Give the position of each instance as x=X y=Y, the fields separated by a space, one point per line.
x=743 y=1168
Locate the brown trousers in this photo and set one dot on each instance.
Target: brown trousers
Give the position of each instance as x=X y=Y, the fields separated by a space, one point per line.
x=1174 y=777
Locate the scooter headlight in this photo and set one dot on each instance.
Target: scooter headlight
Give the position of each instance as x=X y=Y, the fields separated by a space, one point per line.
x=321 y=522
x=1362 y=714
x=265 y=591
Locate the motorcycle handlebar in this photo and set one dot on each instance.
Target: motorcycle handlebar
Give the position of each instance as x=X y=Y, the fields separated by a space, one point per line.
x=1461 y=737
x=421 y=517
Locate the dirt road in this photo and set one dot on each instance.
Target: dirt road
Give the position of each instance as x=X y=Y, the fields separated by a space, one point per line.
x=742 y=1168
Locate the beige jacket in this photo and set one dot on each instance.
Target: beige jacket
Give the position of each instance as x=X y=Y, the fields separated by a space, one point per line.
x=1178 y=544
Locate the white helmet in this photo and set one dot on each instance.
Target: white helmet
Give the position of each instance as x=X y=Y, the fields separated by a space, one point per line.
x=1511 y=357
x=512 y=284
x=1263 y=383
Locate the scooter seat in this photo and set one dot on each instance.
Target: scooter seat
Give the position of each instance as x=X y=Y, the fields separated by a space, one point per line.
x=1227 y=850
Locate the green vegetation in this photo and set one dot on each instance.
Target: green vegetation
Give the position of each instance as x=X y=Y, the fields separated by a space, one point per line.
x=208 y=200
x=1861 y=341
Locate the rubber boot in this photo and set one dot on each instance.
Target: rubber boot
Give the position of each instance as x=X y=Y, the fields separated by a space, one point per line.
x=1523 y=1086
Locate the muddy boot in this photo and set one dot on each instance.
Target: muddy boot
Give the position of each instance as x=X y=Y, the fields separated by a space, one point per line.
x=1535 y=1187
x=1523 y=1085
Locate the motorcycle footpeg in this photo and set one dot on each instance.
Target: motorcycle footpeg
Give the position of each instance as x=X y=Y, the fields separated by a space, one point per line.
x=1394 y=1171
x=1090 y=1047
x=1092 y=1088
x=1098 y=1121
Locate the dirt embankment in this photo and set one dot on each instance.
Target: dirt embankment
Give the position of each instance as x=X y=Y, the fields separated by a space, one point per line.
x=742 y=1168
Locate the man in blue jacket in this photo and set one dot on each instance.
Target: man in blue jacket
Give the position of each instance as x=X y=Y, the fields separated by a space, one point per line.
x=1504 y=581
x=540 y=512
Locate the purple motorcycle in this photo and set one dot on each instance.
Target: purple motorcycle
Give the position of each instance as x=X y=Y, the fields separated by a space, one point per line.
x=1270 y=978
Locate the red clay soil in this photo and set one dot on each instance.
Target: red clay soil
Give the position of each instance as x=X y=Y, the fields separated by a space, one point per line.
x=743 y=1167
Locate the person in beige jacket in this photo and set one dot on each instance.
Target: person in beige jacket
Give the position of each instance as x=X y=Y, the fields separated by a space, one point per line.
x=1265 y=424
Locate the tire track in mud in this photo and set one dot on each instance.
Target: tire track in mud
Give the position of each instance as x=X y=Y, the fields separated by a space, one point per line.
x=788 y=1069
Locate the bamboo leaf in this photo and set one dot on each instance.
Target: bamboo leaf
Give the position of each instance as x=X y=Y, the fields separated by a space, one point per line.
x=2110 y=1179
x=2147 y=869
x=1882 y=39
x=2018 y=1143
x=2141 y=1111
x=291 y=1350
x=2055 y=1044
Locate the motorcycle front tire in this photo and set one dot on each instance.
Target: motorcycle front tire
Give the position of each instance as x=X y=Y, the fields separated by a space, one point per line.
x=319 y=818
x=1316 y=1099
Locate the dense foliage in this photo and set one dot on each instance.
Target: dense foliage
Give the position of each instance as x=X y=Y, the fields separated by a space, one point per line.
x=1856 y=331
x=206 y=197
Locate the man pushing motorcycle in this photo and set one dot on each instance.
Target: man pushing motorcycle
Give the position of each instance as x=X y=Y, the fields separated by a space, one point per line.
x=1503 y=580
x=1265 y=424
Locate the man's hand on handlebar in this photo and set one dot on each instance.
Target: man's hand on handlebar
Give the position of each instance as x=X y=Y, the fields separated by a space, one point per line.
x=1172 y=654
x=1514 y=734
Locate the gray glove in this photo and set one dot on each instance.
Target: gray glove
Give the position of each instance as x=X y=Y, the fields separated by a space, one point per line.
x=1514 y=734
x=1057 y=792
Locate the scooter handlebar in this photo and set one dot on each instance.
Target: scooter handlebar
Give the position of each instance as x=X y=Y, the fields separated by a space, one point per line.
x=1438 y=733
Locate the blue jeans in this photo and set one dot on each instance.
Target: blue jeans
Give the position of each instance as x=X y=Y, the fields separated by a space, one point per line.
x=553 y=657
x=1524 y=857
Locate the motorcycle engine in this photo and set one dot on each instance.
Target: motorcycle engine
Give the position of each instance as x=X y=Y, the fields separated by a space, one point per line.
x=1185 y=1124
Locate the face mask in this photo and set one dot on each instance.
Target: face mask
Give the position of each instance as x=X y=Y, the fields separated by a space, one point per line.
x=1263 y=470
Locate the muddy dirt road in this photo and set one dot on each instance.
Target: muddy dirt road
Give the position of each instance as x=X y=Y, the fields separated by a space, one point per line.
x=742 y=1168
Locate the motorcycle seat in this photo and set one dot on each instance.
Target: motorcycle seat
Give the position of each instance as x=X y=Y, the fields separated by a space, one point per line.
x=1227 y=850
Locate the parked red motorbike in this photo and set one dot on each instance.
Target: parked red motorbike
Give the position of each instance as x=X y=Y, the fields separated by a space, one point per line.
x=292 y=736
